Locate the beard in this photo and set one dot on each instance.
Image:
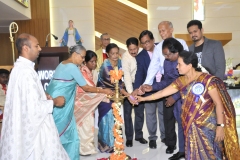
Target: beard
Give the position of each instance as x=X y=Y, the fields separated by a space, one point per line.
x=195 y=39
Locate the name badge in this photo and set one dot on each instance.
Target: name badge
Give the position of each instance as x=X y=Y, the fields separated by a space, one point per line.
x=197 y=90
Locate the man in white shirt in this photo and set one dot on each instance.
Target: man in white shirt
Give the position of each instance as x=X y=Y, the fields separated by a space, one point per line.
x=29 y=131
x=129 y=67
x=165 y=29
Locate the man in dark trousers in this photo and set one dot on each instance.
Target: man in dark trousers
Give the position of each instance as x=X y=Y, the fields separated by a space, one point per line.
x=143 y=60
x=171 y=49
x=129 y=67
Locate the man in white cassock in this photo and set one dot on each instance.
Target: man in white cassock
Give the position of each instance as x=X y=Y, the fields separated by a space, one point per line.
x=29 y=131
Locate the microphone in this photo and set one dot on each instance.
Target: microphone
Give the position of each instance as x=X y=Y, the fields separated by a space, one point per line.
x=55 y=37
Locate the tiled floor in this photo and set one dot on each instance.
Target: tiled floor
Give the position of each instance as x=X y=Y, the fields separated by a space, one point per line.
x=142 y=152
x=139 y=151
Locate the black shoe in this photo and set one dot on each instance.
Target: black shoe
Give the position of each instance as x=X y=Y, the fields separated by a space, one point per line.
x=163 y=140
x=153 y=144
x=142 y=140
x=129 y=143
x=177 y=156
x=85 y=155
x=170 y=149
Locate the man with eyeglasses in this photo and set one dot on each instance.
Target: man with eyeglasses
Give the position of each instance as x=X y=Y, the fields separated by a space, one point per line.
x=165 y=29
x=143 y=60
x=101 y=53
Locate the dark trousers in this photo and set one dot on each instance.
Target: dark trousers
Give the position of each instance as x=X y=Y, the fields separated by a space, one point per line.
x=169 y=123
x=138 y=122
x=177 y=113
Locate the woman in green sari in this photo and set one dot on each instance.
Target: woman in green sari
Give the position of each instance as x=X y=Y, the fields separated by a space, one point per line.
x=67 y=75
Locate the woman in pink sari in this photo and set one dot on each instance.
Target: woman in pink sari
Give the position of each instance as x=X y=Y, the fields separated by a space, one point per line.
x=85 y=105
x=208 y=115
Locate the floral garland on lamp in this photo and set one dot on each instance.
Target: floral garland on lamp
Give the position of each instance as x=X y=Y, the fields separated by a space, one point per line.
x=117 y=132
x=115 y=76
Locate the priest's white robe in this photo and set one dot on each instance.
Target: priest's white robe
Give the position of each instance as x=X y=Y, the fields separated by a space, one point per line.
x=29 y=131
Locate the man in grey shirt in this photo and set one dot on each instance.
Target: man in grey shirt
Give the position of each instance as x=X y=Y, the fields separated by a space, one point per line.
x=210 y=52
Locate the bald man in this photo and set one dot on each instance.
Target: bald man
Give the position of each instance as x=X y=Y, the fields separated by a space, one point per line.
x=155 y=69
x=29 y=131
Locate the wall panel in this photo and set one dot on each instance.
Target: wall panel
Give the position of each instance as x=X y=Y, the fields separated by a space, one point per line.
x=119 y=20
x=221 y=17
x=39 y=26
x=6 y=50
x=142 y=3
x=82 y=14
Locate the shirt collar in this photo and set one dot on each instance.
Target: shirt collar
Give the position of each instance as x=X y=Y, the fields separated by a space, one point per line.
x=25 y=60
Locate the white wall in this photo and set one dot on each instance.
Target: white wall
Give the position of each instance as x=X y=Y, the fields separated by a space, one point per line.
x=82 y=14
x=220 y=17
x=22 y=13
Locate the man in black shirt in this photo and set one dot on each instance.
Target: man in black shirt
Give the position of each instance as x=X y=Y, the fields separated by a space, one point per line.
x=210 y=52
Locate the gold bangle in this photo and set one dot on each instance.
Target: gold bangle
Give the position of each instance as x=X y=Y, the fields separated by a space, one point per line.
x=153 y=98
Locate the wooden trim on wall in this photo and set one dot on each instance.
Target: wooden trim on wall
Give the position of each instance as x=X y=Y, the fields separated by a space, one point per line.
x=224 y=38
x=118 y=20
x=38 y=26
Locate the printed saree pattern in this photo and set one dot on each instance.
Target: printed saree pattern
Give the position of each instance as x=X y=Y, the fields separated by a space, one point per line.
x=85 y=104
x=199 y=121
x=106 y=118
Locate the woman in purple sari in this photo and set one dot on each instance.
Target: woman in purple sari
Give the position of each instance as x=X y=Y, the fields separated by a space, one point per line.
x=208 y=115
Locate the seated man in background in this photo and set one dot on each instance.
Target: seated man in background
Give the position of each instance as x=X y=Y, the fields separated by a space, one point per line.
x=4 y=75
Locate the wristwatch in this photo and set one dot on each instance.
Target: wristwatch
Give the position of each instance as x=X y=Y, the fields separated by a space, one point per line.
x=222 y=125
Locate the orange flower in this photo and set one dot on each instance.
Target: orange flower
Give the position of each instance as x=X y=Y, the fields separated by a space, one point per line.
x=115 y=75
x=122 y=156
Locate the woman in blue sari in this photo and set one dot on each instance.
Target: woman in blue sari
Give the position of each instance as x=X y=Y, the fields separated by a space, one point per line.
x=67 y=75
x=106 y=119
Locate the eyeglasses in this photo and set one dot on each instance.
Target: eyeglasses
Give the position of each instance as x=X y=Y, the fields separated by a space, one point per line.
x=83 y=57
x=146 y=42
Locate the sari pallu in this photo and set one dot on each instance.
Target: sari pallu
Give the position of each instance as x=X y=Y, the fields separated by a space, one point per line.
x=199 y=121
x=63 y=116
x=106 y=118
x=85 y=104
